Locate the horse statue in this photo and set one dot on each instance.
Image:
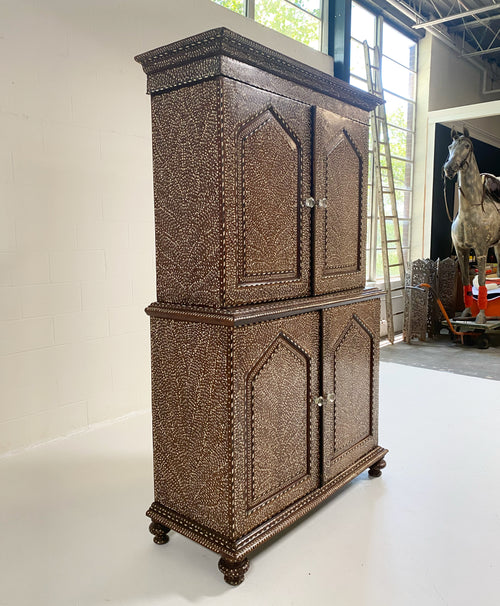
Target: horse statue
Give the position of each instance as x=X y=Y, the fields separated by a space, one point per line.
x=477 y=224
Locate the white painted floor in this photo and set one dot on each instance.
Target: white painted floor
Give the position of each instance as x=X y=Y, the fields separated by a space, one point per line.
x=73 y=530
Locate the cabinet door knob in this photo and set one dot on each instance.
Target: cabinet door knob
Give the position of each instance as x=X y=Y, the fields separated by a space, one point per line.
x=330 y=398
x=310 y=202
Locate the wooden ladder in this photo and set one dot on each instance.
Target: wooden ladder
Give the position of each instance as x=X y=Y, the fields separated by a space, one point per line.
x=390 y=233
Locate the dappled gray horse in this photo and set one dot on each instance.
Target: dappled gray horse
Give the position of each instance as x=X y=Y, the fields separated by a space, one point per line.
x=477 y=224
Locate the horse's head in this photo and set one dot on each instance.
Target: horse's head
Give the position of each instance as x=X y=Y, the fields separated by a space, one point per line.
x=459 y=153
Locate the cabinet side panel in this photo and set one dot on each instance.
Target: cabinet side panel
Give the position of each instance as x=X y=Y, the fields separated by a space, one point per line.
x=186 y=172
x=351 y=354
x=191 y=420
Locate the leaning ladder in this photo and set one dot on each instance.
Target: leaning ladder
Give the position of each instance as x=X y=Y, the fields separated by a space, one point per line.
x=390 y=234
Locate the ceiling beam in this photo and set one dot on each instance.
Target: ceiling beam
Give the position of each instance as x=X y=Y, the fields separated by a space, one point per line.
x=473 y=24
x=487 y=51
x=475 y=11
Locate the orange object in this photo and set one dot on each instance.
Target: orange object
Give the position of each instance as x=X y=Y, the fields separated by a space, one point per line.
x=492 y=307
x=460 y=335
x=482 y=299
x=468 y=295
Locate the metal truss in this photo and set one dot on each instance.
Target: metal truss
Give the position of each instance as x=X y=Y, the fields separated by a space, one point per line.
x=471 y=27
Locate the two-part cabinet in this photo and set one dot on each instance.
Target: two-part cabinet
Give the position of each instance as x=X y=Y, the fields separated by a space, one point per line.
x=264 y=338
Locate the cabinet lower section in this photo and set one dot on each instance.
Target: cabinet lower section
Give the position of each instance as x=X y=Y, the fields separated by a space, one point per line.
x=236 y=550
x=259 y=418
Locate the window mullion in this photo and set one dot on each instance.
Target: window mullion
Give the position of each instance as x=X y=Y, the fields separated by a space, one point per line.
x=379 y=36
x=324 y=26
x=372 y=242
x=339 y=37
x=250 y=9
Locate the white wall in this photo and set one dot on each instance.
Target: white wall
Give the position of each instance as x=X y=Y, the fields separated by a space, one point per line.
x=76 y=209
x=486 y=129
x=454 y=81
x=423 y=92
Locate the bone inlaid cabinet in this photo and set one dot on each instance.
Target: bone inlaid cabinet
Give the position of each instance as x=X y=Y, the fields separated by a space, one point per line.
x=264 y=338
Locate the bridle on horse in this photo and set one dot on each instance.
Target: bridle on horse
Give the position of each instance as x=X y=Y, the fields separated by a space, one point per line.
x=462 y=165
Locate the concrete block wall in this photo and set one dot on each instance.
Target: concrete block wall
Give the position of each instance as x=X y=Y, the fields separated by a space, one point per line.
x=76 y=205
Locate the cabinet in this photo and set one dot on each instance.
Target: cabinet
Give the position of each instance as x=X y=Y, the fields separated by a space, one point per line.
x=264 y=339
x=234 y=178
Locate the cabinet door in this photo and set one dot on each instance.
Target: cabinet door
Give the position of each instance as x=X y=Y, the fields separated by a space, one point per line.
x=340 y=163
x=276 y=423
x=350 y=374
x=266 y=178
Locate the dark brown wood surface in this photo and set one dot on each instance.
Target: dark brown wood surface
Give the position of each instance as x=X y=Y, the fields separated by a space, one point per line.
x=264 y=339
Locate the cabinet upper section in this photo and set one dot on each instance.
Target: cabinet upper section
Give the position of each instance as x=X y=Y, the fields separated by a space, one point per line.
x=259 y=182
x=221 y=52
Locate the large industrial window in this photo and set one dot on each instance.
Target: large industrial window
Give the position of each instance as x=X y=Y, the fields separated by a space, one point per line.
x=399 y=65
x=302 y=20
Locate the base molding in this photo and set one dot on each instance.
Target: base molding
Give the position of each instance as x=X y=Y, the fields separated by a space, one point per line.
x=237 y=549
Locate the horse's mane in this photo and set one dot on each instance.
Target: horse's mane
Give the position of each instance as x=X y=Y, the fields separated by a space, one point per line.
x=491 y=186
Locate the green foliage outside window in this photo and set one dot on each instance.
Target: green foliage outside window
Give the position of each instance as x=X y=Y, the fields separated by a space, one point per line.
x=285 y=18
x=291 y=21
x=238 y=6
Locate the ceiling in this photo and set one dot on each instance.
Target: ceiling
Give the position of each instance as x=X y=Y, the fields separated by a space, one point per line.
x=471 y=27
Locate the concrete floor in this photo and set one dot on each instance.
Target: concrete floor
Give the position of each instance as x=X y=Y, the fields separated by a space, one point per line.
x=427 y=533
x=441 y=353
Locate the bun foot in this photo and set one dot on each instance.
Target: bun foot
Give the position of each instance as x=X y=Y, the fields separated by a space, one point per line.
x=160 y=533
x=375 y=470
x=234 y=572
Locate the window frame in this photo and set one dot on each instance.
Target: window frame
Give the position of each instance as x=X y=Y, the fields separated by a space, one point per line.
x=323 y=42
x=373 y=248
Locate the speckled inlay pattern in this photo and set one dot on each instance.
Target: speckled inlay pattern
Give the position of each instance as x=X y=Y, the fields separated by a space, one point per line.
x=267 y=139
x=340 y=226
x=247 y=543
x=223 y=42
x=276 y=424
x=267 y=175
x=350 y=372
x=267 y=383
x=264 y=339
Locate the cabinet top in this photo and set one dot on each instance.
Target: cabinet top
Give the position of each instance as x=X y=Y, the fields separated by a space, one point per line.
x=207 y=51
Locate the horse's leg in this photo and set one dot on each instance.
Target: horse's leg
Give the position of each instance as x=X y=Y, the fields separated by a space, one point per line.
x=496 y=248
x=463 y=261
x=482 y=300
